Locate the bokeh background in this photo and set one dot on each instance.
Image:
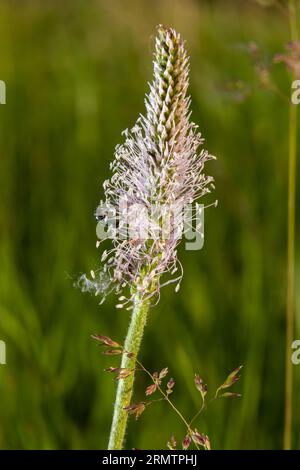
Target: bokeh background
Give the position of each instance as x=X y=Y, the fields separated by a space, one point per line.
x=76 y=73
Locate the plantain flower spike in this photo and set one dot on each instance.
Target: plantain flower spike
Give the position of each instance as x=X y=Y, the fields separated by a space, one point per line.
x=156 y=173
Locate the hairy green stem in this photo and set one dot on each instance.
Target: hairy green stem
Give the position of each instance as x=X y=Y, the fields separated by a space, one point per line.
x=125 y=386
x=288 y=408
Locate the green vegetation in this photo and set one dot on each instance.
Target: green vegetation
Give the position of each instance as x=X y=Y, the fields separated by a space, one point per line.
x=75 y=75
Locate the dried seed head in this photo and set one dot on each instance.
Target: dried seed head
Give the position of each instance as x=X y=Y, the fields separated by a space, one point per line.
x=200 y=385
x=199 y=438
x=170 y=386
x=172 y=444
x=232 y=378
x=106 y=341
x=186 y=442
x=163 y=373
x=136 y=409
x=151 y=389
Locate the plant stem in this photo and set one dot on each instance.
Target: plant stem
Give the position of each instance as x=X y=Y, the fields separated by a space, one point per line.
x=198 y=413
x=125 y=386
x=290 y=276
x=287 y=438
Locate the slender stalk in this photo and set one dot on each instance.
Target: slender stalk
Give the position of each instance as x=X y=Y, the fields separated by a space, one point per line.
x=290 y=276
x=293 y=20
x=125 y=386
x=198 y=413
x=287 y=438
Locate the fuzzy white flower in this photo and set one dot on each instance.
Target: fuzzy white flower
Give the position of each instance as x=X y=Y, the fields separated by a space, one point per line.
x=156 y=172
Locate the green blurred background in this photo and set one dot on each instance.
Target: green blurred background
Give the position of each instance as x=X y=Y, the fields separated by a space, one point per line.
x=76 y=73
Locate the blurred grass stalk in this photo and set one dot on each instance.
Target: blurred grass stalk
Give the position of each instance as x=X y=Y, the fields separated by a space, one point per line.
x=288 y=418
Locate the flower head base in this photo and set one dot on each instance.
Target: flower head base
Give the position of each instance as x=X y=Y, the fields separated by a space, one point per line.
x=156 y=173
